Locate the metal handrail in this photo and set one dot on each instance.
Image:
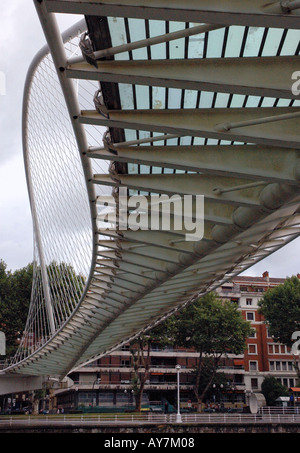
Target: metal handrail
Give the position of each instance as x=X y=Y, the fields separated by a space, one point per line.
x=151 y=418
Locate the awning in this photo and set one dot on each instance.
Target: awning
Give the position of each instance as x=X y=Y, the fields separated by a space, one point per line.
x=238 y=362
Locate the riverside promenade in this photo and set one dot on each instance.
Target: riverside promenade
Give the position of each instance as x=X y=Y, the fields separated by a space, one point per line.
x=153 y=423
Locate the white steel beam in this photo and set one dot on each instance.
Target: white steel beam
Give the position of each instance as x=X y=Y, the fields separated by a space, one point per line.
x=216 y=212
x=208 y=123
x=249 y=161
x=155 y=264
x=144 y=248
x=192 y=184
x=129 y=268
x=167 y=37
x=161 y=254
x=230 y=12
x=208 y=74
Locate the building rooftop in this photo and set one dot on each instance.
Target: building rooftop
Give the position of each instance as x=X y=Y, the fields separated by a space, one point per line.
x=258 y=279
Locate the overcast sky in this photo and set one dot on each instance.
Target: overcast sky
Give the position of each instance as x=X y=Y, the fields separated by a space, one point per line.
x=21 y=37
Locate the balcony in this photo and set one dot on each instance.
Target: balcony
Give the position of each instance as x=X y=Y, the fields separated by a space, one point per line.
x=88 y=386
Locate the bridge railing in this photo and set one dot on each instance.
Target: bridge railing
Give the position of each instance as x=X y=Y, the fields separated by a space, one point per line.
x=4 y=363
x=269 y=410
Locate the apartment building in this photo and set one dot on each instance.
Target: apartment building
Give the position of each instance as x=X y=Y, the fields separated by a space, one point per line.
x=263 y=356
x=107 y=382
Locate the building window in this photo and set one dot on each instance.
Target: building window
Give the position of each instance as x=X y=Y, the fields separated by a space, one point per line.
x=106 y=399
x=248 y=301
x=254 y=383
x=125 y=347
x=250 y=316
x=274 y=348
x=268 y=333
x=86 y=398
x=125 y=363
x=281 y=366
x=253 y=334
x=252 y=349
x=235 y=300
x=253 y=366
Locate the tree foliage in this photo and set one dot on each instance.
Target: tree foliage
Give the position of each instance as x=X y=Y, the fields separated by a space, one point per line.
x=63 y=280
x=15 y=293
x=213 y=328
x=218 y=384
x=281 y=309
x=271 y=389
x=140 y=349
x=210 y=326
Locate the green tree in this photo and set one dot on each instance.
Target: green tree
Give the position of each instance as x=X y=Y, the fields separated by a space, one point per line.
x=15 y=294
x=65 y=286
x=37 y=396
x=4 y=281
x=140 y=349
x=280 y=307
x=213 y=328
x=272 y=389
x=14 y=303
x=219 y=383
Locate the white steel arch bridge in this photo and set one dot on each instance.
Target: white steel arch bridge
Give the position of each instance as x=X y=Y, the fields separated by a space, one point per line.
x=158 y=97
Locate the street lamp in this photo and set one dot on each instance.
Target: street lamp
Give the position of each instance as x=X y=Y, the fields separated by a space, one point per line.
x=178 y=415
x=218 y=389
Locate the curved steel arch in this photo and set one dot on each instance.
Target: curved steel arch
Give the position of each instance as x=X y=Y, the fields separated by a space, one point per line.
x=249 y=178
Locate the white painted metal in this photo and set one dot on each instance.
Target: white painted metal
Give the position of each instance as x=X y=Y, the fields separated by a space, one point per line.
x=149 y=42
x=213 y=74
x=204 y=123
x=213 y=159
x=231 y=12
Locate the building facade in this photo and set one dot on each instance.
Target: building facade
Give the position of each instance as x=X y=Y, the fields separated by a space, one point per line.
x=263 y=357
x=106 y=383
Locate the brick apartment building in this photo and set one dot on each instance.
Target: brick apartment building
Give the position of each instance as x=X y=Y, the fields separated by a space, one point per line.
x=106 y=383
x=263 y=357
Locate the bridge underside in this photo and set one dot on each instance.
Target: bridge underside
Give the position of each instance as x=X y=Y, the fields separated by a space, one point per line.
x=196 y=99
